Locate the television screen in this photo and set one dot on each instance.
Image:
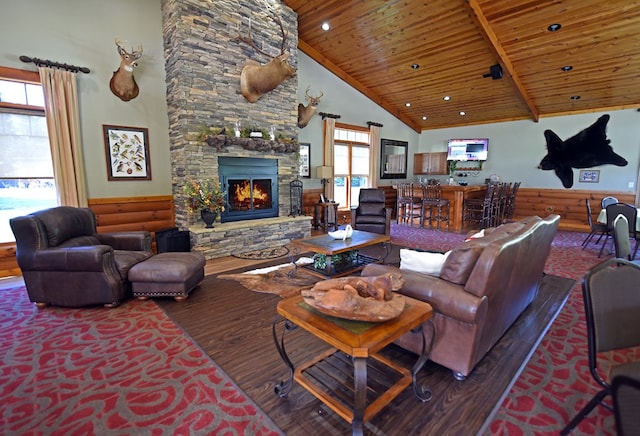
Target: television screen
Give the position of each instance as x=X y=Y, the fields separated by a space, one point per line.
x=468 y=149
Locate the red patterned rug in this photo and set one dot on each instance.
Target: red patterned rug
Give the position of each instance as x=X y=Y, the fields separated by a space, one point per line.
x=128 y=370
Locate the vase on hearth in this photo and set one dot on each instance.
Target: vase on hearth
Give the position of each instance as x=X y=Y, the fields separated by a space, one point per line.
x=208 y=216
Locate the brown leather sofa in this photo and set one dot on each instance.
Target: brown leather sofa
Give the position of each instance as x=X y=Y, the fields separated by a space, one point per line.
x=65 y=262
x=484 y=285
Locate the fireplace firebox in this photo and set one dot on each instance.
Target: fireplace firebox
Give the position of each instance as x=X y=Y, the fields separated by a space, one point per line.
x=251 y=185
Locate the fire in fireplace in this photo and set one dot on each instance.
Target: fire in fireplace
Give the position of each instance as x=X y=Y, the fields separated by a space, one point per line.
x=245 y=195
x=251 y=185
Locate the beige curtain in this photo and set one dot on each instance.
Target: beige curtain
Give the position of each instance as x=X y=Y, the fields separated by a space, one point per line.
x=329 y=134
x=63 y=124
x=374 y=155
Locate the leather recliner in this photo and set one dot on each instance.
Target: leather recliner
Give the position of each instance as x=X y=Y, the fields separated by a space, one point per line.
x=65 y=262
x=371 y=215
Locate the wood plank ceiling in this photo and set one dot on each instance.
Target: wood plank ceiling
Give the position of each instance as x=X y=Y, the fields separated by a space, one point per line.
x=373 y=44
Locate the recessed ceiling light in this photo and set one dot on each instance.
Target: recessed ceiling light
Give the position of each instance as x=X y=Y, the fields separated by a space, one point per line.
x=446 y=98
x=463 y=113
x=554 y=27
x=567 y=68
x=325 y=26
x=575 y=97
x=425 y=117
x=407 y=104
x=415 y=66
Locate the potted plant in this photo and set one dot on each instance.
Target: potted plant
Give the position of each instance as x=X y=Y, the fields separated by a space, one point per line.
x=207 y=197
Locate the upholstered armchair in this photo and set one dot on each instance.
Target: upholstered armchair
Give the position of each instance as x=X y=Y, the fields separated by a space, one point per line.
x=371 y=215
x=65 y=262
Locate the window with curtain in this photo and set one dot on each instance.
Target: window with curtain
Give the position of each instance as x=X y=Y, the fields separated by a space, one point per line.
x=26 y=168
x=351 y=164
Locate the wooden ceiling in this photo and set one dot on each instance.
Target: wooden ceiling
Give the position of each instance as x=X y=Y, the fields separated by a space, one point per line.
x=372 y=44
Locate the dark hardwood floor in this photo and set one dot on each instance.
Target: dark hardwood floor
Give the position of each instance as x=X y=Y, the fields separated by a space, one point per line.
x=234 y=326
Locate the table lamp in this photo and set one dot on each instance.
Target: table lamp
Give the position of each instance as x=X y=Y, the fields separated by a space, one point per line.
x=324 y=173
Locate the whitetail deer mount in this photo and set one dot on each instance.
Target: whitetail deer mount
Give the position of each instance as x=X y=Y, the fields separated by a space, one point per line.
x=122 y=83
x=256 y=79
x=306 y=112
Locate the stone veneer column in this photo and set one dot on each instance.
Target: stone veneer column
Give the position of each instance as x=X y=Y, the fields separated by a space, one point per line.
x=203 y=61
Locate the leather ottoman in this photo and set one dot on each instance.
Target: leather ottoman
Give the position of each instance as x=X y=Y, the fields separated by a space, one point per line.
x=171 y=274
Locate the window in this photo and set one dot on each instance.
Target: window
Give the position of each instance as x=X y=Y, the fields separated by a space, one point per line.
x=351 y=164
x=26 y=169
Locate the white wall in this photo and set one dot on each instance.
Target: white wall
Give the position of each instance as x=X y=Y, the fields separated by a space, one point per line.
x=517 y=147
x=352 y=106
x=82 y=33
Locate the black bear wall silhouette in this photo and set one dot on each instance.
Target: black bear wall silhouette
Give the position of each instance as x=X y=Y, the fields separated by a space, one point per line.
x=588 y=148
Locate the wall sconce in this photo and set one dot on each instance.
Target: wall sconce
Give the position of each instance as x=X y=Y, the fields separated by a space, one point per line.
x=324 y=173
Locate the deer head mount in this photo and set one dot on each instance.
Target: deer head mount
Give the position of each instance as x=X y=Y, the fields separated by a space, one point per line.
x=306 y=112
x=122 y=83
x=256 y=79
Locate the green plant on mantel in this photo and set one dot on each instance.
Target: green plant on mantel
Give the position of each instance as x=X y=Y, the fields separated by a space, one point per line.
x=246 y=132
x=204 y=132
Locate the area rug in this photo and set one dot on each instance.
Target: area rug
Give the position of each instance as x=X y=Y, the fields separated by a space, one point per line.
x=267 y=253
x=239 y=338
x=284 y=279
x=122 y=371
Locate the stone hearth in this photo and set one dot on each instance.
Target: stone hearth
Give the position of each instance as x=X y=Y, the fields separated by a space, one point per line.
x=231 y=238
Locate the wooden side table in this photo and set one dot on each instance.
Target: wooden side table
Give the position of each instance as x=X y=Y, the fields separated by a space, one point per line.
x=321 y=217
x=353 y=344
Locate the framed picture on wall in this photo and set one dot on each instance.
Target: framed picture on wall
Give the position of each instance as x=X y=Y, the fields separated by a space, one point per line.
x=127 y=152
x=305 y=160
x=589 y=176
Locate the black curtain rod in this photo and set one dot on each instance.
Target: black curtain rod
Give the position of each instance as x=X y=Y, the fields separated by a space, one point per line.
x=48 y=63
x=326 y=115
x=371 y=123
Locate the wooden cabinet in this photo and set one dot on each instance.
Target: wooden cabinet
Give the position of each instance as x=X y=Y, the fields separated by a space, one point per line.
x=430 y=163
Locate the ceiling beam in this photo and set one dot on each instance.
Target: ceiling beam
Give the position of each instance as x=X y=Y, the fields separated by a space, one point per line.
x=322 y=60
x=487 y=32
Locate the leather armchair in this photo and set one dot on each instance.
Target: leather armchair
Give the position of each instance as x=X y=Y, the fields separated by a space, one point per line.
x=65 y=262
x=371 y=215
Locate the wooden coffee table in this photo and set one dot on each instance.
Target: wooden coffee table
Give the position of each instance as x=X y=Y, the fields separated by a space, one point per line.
x=325 y=244
x=338 y=376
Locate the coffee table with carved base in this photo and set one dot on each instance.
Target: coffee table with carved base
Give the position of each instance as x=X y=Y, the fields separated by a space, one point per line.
x=328 y=246
x=338 y=376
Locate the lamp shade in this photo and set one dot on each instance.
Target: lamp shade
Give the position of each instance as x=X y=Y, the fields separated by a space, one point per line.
x=324 y=172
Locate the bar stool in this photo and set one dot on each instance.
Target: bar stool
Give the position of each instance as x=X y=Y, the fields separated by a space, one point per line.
x=478 y=210
x=432 y=199
x=409 y=206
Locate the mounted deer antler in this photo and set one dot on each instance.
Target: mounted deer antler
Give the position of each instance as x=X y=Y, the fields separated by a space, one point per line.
x=122 y=83
x=306 y=112
x=256 y=79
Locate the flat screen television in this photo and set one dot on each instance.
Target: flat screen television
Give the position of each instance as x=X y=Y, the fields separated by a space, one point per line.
x=468 y=149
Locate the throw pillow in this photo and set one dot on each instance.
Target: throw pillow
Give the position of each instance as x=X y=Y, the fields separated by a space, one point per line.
x=423 y=262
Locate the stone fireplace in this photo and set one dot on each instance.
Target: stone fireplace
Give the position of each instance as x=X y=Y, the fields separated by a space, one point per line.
x=203 y=61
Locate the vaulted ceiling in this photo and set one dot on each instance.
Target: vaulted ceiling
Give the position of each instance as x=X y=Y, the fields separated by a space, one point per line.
x=373 y=44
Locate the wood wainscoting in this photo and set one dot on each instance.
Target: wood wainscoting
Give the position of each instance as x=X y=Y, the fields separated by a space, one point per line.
x=157 y=212
x=569 y=204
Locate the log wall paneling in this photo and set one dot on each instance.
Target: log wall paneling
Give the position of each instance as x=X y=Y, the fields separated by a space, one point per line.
x=157 y=212
x=569 y=204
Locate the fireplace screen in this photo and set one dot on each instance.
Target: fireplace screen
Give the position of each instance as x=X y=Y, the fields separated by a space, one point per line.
x=251 y=185
x=246 y=194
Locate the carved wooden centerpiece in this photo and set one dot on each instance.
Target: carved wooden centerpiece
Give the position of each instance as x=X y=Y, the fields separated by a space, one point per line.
x=368 y=299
